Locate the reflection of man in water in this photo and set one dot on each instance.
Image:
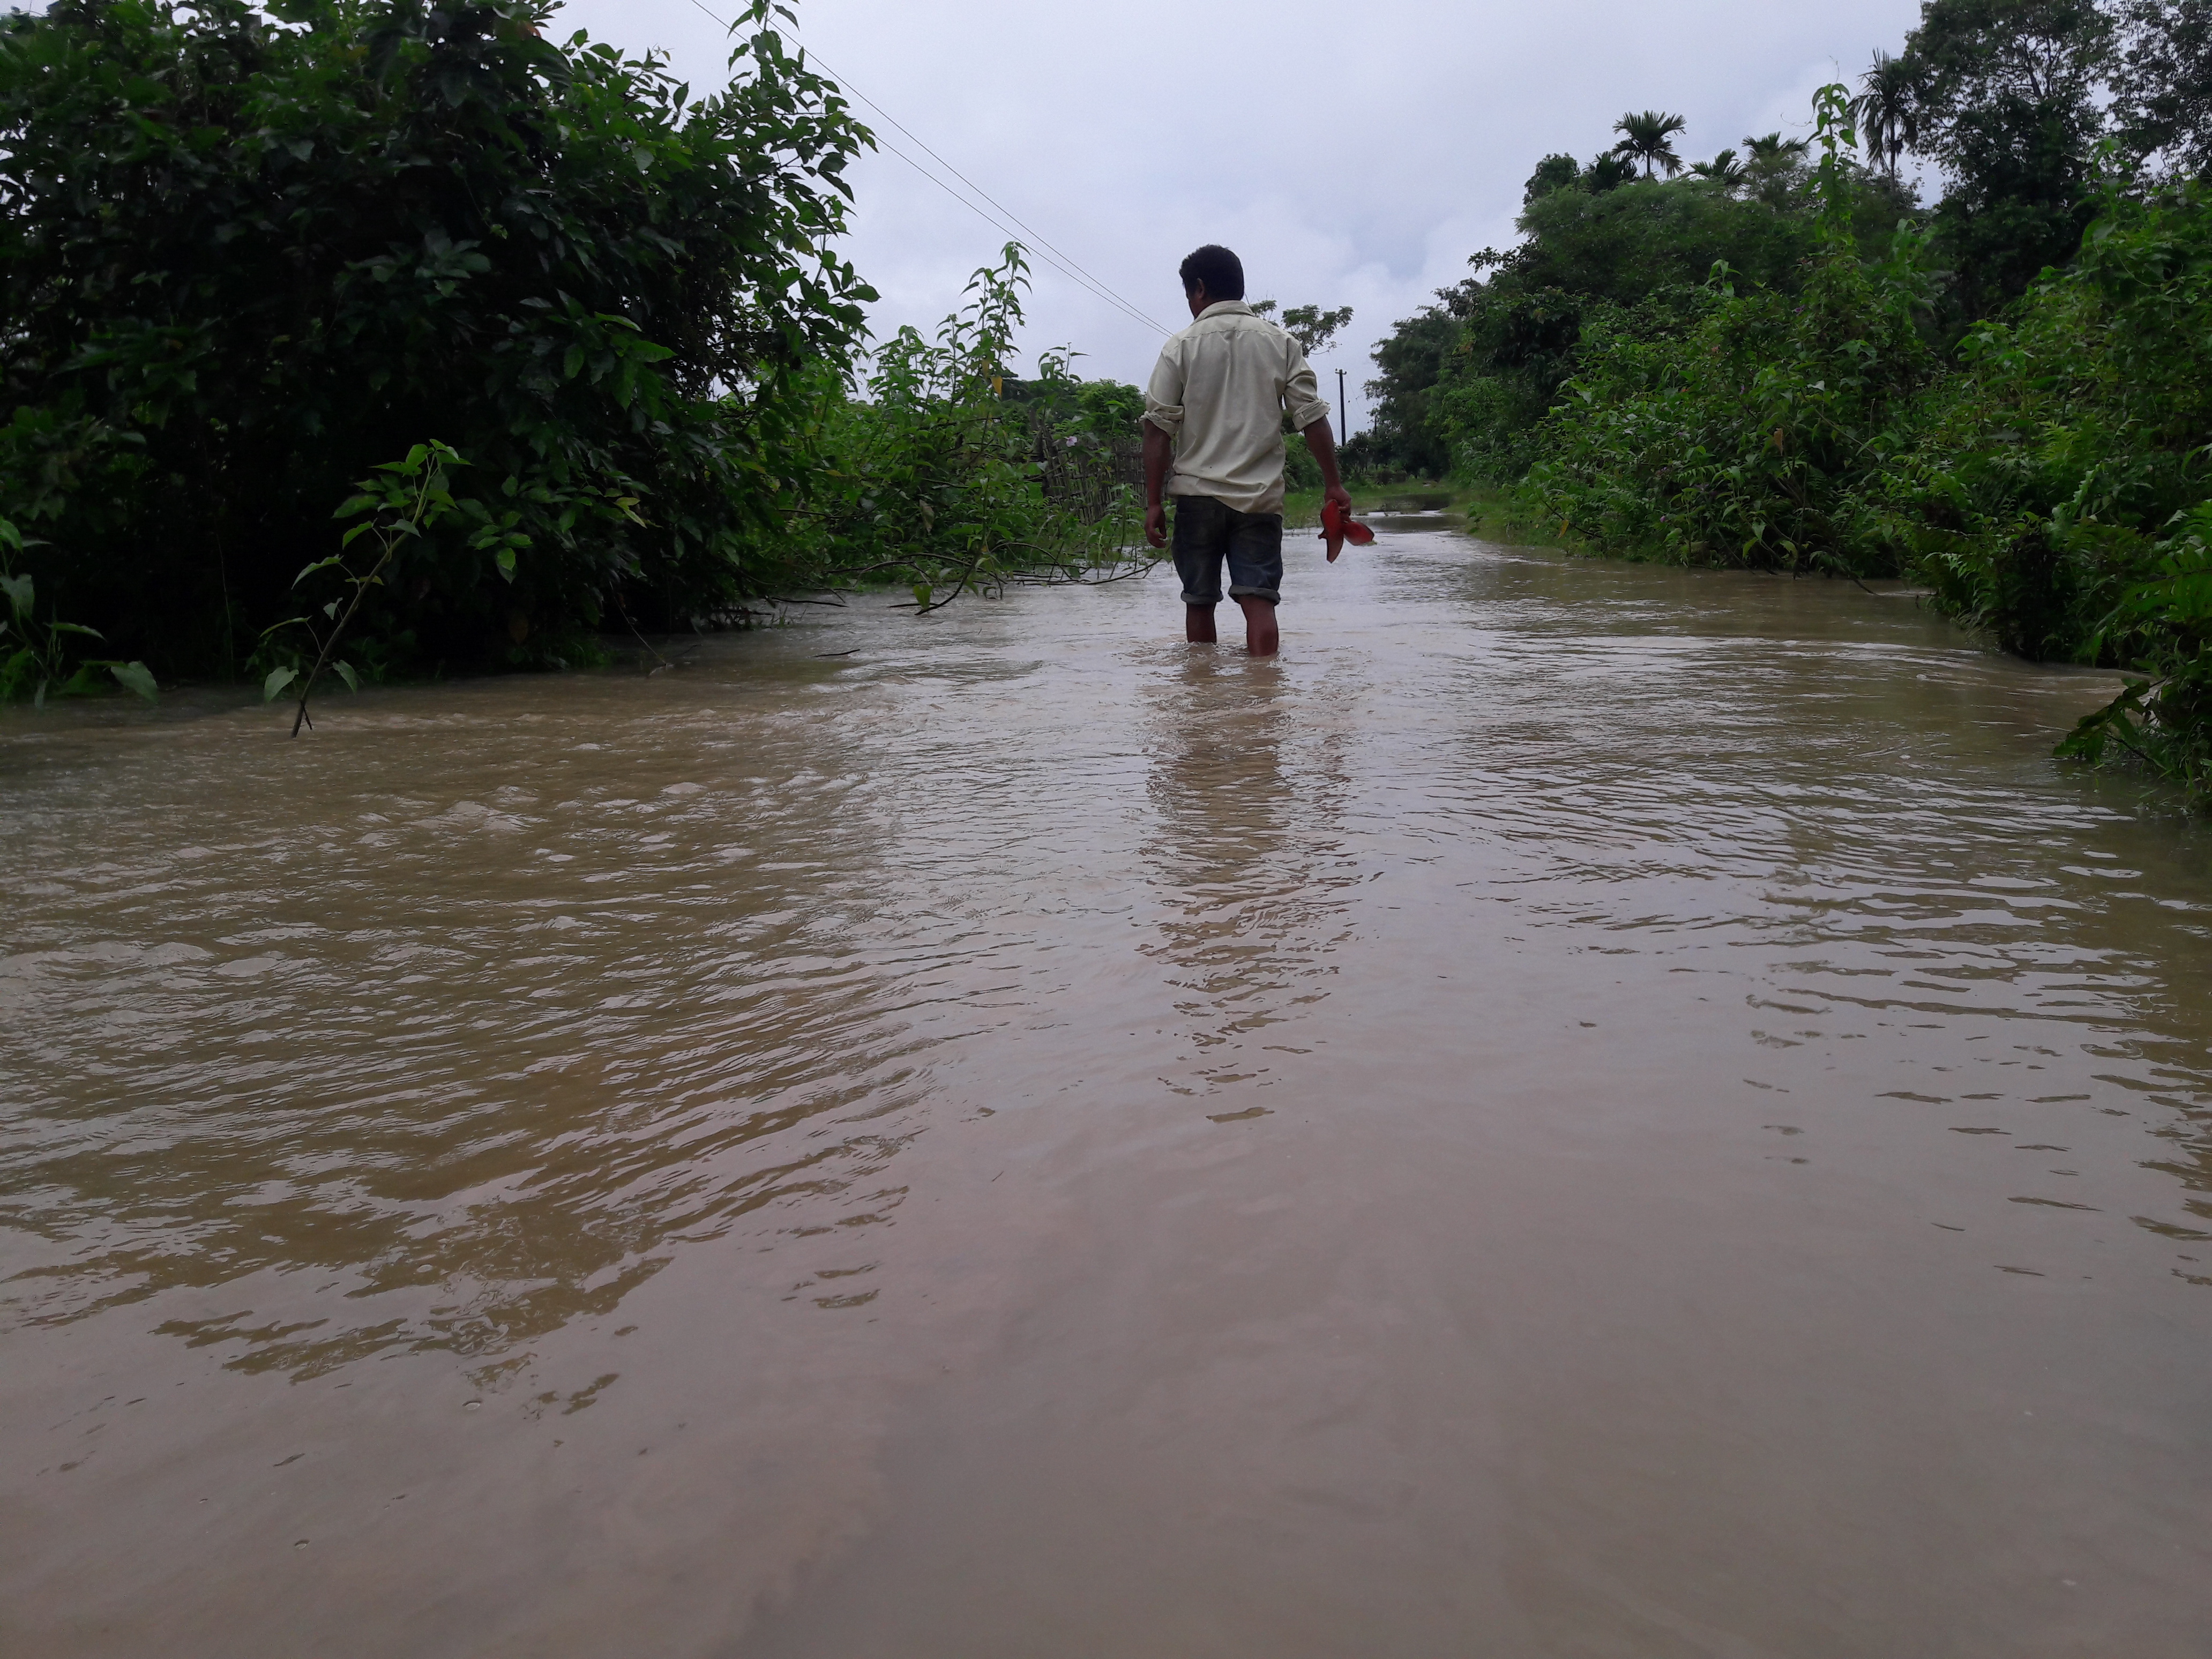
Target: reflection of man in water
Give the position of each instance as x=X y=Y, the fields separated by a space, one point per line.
x=1213 y=440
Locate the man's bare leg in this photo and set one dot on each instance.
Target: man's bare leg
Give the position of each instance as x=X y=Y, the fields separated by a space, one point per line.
x=1197 y=625
x=1261 y=638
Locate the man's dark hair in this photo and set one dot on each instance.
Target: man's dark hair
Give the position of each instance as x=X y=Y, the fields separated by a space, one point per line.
x=1222 y=272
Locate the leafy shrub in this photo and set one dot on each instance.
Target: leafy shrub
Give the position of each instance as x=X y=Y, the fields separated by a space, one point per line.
x=2059 y=495
x=938 y=475
x=247 y=255
x=2050 y=484
x=1748 y=438
x=34 y=652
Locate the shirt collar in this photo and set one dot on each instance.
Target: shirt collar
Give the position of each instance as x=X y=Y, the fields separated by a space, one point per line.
x=1225 y=308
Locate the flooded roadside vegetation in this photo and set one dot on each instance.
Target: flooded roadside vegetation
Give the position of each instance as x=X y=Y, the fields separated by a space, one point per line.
x=1618 y=1109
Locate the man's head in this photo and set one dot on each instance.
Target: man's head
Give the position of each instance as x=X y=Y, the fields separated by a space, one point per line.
x=1212 y=275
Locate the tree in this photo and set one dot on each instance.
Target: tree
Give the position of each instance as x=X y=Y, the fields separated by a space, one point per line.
x=2009 y=96
x=1775 y=148
x=1313 y=328
x=1969 y=54
x=1552 y=173
x=1774 y=168
x=1723 y=169
x=1309 y=325
x=1411 y=360
x=1631 y=263
x=1608 y=172
x=249 y=255
x=1646 y=137
x=2162 y=85
x=1885 y=112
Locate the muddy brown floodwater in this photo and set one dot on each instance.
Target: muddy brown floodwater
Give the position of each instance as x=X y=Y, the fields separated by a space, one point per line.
x=1586 y=1110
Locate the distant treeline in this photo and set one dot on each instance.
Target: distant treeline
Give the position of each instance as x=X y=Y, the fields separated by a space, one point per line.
x=1779 y=357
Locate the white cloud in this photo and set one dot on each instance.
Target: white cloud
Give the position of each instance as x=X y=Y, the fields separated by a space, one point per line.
x=1350 y=156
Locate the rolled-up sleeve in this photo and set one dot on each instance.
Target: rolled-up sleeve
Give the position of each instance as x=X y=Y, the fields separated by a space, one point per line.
x=1164 y=395
x=1302 y=392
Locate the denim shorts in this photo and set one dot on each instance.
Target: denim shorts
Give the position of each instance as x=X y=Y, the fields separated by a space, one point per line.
x=1207 y=532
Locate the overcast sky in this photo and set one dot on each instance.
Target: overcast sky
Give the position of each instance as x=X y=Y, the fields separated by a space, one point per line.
x=1352 y=154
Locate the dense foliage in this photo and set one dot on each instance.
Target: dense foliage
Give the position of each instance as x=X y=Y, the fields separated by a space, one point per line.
x=1736 y=424
x=2059 y=493
x=250 y=256
x=1781 y=361
x=949 y=475
x=244 y=257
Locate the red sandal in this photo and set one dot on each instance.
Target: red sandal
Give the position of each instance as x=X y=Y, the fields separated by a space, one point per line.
x=1337 y=527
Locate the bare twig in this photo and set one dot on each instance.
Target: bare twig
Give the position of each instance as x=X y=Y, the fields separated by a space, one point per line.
x=630 y=624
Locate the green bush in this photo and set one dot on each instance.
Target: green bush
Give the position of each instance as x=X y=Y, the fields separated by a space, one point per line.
x=945 y=473
x=2050 y=483
x=247 y=256
x=2059 y=497
x=1749 y=436
x=1465 y=385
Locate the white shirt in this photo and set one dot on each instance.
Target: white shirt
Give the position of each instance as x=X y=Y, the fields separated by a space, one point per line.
x=1220 y=389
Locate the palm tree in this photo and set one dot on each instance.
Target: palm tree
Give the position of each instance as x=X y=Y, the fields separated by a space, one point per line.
x=1775 y=148
x=1608 y=172
x=1883 y=112
x=1645 y=139
x=1722 y=169
x=1773 y=166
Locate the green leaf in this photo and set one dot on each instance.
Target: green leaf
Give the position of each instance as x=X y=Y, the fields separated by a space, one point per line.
x=505 y=559
x=344 y=671
x=137 y=677
x=323 y=564
x=18 y=589
x=75 y=628
x=273 y=687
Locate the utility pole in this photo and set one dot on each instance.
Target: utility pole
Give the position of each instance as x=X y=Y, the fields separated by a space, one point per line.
x=1341 y=434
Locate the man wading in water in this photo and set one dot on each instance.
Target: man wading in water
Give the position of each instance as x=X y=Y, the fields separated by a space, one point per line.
x=1221 y=387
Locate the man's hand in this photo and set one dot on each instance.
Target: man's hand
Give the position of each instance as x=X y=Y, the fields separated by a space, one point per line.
x=1323 y=446
x=1159 y=459
x=1337 y=496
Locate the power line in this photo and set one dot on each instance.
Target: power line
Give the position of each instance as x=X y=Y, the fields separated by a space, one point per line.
x=1063 y=262
x=1037 y=236
x=1076 y=275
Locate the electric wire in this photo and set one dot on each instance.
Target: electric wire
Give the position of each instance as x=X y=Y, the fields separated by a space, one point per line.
x=1010 y=226
x=1098 y=285
x=1088 y=284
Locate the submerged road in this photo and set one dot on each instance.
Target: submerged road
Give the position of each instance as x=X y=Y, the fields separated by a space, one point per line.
x=1585 y=1110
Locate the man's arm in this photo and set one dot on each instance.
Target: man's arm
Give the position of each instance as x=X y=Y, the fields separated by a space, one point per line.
x=1163 y=423
x=1159 y=455
x=1322 y=443
x=1309 y=414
